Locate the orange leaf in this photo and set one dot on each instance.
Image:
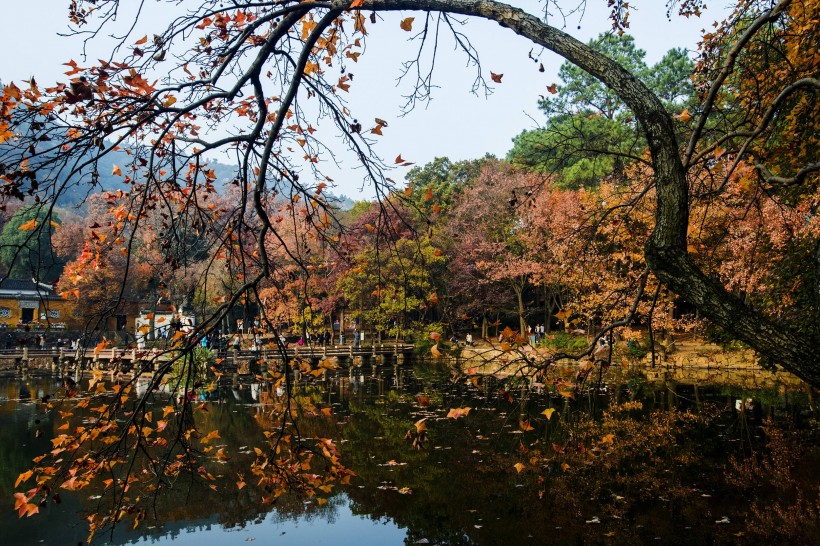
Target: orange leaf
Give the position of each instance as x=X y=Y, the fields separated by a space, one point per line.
x=407 y=24
x=684 y=116
x=23 y=477
x=100 y=346
x=142 y=40
x=552 y=89
x=28 y=226
x=457 y=413
x=519 y=467
x=496 y=77
x=356 y=3
x=525 y=425
x=116 y=171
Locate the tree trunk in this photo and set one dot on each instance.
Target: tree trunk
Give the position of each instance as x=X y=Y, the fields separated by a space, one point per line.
x=519 y=295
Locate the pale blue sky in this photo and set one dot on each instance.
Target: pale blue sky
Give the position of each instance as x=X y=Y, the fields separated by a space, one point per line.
x=455 y=124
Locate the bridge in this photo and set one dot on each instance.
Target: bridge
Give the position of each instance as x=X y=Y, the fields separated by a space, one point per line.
x=241 y=361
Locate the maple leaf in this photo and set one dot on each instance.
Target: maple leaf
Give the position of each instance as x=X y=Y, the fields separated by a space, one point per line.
x=407 y=24
x=214 y=434
x=221 y=455
x=684 y=116
x=23 y=477
x=525 y=425
x=563 y=314
x=552 y=89
x=457 y=413
x=519 y=467
x=496 y=77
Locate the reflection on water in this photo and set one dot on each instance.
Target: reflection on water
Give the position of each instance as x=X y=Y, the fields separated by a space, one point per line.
x=660 y=478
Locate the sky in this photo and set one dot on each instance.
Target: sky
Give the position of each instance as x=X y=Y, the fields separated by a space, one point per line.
x=455 y=123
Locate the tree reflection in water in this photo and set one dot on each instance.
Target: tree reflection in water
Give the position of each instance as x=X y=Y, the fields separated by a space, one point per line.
x=636 y=461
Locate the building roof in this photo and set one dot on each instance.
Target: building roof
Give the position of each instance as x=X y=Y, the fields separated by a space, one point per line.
x=21 y=287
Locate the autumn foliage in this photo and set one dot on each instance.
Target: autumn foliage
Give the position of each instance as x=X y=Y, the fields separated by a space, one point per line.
x=706 y=201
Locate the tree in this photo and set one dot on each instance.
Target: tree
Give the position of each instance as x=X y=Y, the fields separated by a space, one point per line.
x=590 y=135
x=269 y=70
x=492 y=236
x=25 y=245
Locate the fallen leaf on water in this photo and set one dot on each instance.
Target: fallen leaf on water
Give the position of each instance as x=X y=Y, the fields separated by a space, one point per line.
x=456 y=413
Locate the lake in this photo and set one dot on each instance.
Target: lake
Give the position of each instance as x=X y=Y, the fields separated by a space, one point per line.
x=636 y=458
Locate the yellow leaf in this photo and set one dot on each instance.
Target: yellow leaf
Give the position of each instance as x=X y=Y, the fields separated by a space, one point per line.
x=519 y=467
x=565 y=467
x=28 y=226
x=407 y=24
x=608 y=439
x=548 y=413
